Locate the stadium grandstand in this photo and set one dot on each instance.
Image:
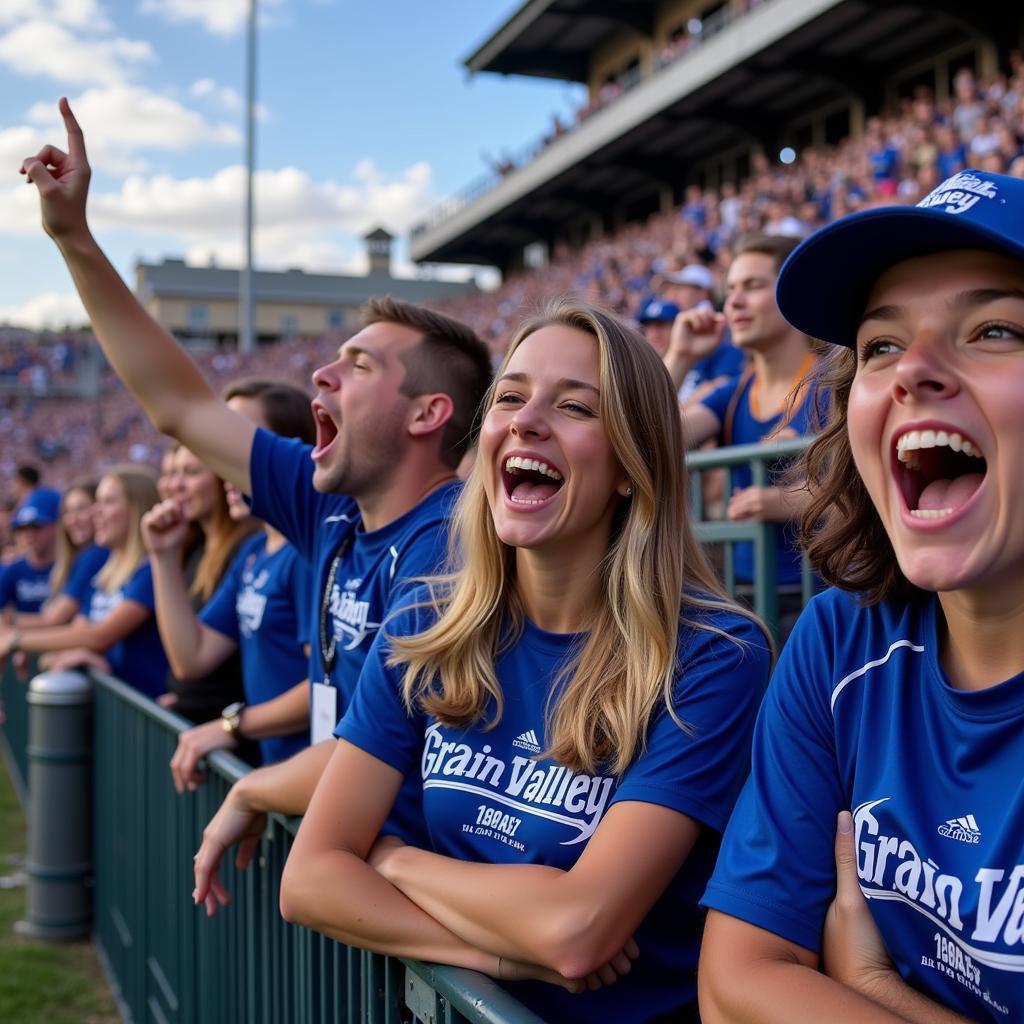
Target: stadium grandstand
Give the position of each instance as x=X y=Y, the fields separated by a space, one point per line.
x=703 y=122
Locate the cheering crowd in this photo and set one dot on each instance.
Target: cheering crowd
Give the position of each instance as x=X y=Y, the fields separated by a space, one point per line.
x=481 y=651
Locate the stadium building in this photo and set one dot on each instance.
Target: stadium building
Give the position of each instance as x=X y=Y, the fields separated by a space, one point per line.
x=199 y=305
x=690 y=92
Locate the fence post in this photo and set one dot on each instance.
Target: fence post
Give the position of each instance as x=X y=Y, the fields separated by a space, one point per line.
x=59 y=864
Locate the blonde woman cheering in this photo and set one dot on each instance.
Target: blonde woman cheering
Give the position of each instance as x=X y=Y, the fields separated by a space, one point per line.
x=578 y=697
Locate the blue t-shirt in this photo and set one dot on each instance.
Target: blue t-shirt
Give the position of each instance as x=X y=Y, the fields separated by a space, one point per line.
x=746 y=429
x=262 y=604
x=87 y=563
x=487 y=797
x=25 y=586
x=726 y=361
x=139 y=658
x=860 y=716
x=371 y=574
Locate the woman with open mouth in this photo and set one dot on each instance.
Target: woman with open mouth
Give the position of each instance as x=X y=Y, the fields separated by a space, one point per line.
x=577 y=696
x=874 y=868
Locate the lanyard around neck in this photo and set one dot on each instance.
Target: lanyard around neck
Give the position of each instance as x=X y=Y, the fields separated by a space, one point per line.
x=328 y=634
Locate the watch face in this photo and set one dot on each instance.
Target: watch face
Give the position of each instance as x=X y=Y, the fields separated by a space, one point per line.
x=232 y=710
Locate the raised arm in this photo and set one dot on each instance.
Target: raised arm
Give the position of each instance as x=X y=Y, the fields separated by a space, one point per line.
x=169 y=386
x=192 y=649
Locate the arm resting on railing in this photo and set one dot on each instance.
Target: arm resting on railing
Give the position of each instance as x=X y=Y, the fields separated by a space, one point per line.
x=328 y=885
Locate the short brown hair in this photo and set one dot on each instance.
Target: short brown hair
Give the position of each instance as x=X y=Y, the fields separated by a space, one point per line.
x=778 y=247
x=285 y=408
x=450 y=359
x=840 y=528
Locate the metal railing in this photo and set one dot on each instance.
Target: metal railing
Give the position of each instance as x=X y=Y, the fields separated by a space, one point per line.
x=14 y=732
x=169 y=963
x=767 y=464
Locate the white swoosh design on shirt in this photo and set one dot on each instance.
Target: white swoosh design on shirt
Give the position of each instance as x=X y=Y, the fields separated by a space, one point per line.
x=586 y=827
x=1001 y=961
x=857 y=673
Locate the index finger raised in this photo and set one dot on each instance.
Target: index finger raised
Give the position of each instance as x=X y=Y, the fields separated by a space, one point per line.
x=76 y=138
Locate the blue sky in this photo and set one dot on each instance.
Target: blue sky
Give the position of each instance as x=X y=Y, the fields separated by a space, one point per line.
x=367 y=117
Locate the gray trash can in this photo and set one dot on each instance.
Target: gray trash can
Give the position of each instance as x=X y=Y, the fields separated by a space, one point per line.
x=59 y=867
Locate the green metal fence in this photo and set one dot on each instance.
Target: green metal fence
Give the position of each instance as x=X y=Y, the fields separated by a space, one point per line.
x=170 y=963
x=768 y=463
x=14 y=733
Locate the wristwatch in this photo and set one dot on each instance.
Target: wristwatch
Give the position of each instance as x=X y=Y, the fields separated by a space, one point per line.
x=231 y=719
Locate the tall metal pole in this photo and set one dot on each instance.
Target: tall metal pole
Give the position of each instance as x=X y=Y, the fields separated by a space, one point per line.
x=246 y=317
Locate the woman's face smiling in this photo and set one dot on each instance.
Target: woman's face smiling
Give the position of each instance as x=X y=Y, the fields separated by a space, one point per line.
x=551 y=476
x=936 y=417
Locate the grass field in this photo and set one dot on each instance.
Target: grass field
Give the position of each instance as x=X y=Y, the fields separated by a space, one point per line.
x=41 y=983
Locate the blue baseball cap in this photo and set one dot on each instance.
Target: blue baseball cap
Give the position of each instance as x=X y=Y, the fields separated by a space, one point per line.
x=658 y=311
x=824 y=285
x=40 y=508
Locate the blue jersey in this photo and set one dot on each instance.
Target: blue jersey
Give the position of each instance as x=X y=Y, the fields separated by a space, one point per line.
x=262 y=604
x=362 y=584
x=24 y=586
x=746 y=429
x=87 y=563
x=139 y=658
x=726 y=361
x=488 y=797
x=861 y=716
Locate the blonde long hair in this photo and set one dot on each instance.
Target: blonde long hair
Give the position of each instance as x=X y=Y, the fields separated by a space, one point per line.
x=139 y=486
x=654 y=577
x=67 y=550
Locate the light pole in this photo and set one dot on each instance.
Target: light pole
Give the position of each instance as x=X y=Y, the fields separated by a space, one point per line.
x=246 y=317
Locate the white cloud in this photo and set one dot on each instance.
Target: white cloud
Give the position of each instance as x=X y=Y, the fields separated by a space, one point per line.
x=50 y=50
x=219 y=17
x=314 y=225
x=122 y=120
x=49 y=310
x=225 y=97
x=199 y=209
x=74 y=13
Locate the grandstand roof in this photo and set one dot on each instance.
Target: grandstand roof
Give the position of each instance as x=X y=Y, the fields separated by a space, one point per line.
x=742 y=89
x=555 y=38
x=175 y=277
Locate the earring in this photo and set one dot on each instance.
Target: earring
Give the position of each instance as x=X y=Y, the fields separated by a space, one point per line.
x=629 y=490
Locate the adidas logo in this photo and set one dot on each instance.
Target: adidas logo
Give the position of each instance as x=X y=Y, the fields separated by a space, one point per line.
x=527 y=741
x=963 y=829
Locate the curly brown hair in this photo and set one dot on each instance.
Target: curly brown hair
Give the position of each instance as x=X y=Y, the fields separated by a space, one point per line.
x=840 y=529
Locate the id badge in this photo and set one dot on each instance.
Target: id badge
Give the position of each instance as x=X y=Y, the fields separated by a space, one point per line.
x=324 y=713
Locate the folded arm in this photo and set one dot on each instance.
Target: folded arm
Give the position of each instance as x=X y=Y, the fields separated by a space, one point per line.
x=572 y=921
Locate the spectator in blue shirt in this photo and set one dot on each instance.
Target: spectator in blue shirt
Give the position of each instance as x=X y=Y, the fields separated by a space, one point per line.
x=25 y=582
x=873 y=869
x=260 y=609
x=576 y=698
x=119 y=631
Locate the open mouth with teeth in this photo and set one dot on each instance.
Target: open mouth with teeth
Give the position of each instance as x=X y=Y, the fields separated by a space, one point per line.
x=530 y=481
x=326 y=430
x=937 y=471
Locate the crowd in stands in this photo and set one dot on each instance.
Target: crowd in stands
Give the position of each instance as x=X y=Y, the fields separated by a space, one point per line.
x=681 y=41
x=542 y=740
x=904 y=153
